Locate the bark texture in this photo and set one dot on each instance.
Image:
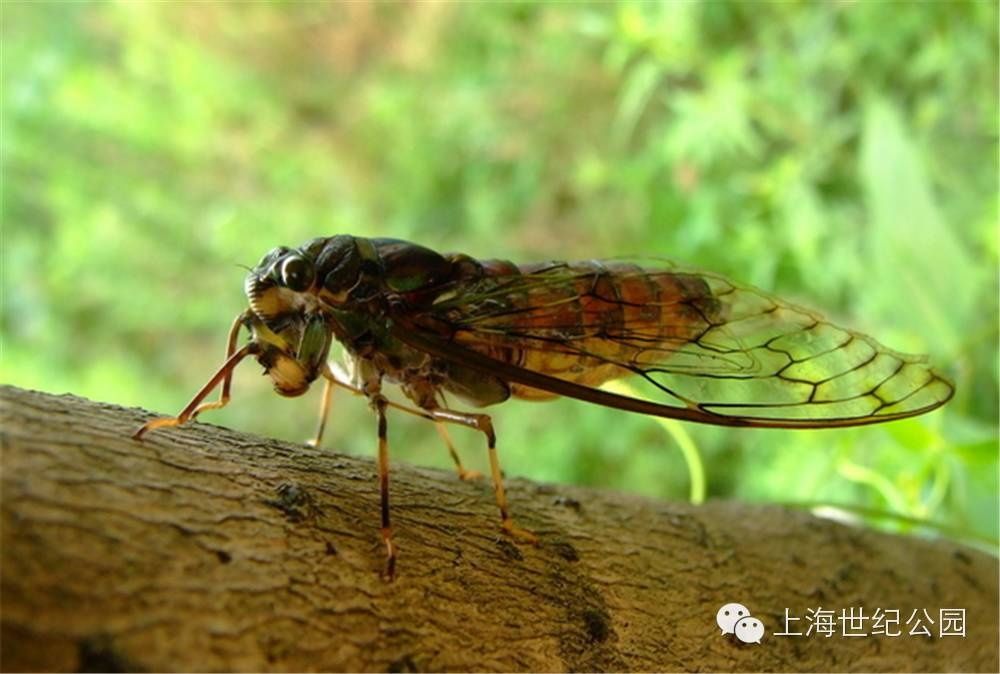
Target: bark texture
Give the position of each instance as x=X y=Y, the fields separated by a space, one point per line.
x=202 y=548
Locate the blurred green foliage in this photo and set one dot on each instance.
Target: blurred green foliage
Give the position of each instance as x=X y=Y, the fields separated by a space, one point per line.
x=843 y=155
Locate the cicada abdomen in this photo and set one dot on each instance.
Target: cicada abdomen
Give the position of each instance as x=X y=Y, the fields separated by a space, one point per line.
x=584 y=322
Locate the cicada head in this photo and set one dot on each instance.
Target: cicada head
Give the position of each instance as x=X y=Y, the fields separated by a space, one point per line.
x=280 y=284
x=287 y=318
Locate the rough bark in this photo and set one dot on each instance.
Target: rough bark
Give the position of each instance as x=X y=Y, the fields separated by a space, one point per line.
x=202 y=548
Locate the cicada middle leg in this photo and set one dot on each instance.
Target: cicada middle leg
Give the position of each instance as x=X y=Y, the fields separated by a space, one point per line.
x=334 y=376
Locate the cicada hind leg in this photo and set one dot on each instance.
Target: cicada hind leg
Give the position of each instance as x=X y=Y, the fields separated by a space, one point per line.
x=224 y=374
x=484 y=424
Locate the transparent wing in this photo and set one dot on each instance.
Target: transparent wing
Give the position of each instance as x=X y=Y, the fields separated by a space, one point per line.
x=695 y=345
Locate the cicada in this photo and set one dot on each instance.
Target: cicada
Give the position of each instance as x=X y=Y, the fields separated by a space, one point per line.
x=697 y=347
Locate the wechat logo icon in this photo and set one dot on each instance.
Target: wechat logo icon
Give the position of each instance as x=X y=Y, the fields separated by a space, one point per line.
x=735 y=619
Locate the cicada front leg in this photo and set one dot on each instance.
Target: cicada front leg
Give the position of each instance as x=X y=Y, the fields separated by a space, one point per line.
x=224 y=374
x=484 y=424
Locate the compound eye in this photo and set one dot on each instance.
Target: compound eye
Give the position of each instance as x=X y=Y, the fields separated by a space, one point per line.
x=297 y=273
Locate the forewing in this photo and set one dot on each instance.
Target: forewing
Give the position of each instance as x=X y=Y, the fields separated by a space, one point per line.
x=696 y=346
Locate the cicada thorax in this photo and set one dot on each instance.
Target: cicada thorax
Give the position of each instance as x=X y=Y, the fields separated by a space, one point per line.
x=350 y=283
x=588 y=321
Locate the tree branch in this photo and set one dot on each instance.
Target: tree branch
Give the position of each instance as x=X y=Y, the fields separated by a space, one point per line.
x=203 y=548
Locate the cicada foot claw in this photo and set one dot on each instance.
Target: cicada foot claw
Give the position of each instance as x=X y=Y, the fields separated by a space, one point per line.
x=389 y=571
x=152 y=424
x=517 y=533
x=469 y=475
